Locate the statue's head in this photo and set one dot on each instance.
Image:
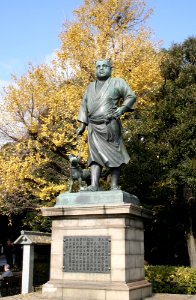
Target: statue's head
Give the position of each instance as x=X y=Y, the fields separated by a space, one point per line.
x=103 y=69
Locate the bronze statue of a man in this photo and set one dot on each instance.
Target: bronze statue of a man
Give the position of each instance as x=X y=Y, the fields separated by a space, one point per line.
x=100 y=112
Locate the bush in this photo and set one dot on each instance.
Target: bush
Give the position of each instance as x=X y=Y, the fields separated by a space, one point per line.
x=173 y=280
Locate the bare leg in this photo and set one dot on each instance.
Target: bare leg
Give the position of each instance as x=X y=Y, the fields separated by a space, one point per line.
x=95 y=175
x=71 y=185
x=115 y=172
x=80 y=183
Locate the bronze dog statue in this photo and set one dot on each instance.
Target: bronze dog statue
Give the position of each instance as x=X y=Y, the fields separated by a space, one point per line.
x=77 y=173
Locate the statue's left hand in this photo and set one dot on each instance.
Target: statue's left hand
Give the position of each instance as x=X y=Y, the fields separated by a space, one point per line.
x=81 y=129
x=119 y=111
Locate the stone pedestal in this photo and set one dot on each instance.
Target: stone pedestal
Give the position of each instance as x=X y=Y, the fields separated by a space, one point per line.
x=121 y=223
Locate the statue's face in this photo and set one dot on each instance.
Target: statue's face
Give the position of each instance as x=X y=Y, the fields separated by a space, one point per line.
x=103 y=69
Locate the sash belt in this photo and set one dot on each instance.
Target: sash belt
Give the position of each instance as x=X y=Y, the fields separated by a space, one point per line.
x=110 y=135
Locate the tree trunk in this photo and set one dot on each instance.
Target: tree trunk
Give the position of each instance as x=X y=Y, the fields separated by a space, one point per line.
x=191 y=244
x=190 y=239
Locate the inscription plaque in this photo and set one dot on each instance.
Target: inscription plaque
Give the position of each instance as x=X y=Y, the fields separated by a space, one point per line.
x=87 y=254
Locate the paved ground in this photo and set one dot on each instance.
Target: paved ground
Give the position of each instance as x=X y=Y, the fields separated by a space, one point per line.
x=38 y=296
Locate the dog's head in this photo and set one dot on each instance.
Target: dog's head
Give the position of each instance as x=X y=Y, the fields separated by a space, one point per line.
x=74 y=160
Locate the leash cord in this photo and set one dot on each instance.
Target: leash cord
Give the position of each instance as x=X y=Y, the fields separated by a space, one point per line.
x=79 y=145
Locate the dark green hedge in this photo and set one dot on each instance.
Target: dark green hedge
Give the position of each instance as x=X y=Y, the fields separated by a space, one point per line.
x=173 y=280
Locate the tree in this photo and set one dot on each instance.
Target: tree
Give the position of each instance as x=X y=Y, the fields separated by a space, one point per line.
x=39 y=113
x=112 y=29
x=163 y=148
x=177 y=112
x=31 y=168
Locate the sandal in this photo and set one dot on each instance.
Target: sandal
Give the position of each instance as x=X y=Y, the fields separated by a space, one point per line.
x=115 y=188
x=92 y=188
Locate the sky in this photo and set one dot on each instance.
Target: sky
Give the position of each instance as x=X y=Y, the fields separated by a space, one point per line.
x=29 y=29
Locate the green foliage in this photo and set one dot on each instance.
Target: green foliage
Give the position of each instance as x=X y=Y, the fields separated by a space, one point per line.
x=170 y=279
x=36 y=222
x=162 y=170
x=173 y=117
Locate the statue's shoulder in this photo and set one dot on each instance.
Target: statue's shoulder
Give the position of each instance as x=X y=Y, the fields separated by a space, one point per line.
x=92 y=83
x=117 y=80
x=90 y=86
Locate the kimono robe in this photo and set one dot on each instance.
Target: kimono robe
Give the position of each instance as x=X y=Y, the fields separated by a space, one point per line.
x=105 y=145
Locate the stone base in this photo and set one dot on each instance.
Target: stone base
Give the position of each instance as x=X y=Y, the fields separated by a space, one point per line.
x=97 y=291
x=83 y=198
x=121 y=223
